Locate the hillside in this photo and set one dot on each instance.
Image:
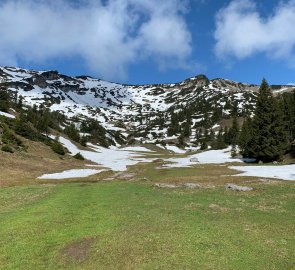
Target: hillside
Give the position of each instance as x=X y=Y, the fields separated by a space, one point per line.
x=146 y=113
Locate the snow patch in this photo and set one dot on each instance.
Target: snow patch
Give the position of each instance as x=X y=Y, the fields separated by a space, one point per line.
x=175 y=149
x=208 y=157
x=8 y=115
x=113 y=158
x=285 y=172
x=76 y=173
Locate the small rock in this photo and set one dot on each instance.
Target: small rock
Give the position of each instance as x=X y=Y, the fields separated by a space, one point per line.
x=191 y=185
x=237 y=188
x=195 y=160
x=163 y=185
x=125 y=176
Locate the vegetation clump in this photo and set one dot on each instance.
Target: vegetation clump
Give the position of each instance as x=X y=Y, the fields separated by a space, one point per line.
x=7 y=148
x=79 y=156
x=58 y=148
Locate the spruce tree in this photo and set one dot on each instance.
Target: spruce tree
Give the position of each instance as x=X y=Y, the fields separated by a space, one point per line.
x=245 y=138
x=4 y=98
x=234 y=131
x=219 y=141
x=268 y=142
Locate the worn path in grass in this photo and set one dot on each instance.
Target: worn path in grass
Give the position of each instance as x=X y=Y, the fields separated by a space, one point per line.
x=127 y=225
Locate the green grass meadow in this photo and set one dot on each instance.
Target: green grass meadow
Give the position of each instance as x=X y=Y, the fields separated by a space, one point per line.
x=134 y=225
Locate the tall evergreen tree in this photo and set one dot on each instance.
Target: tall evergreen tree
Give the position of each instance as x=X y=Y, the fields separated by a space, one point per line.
x=268 y=142
x=219 y=143
x=4 y=98
x=234 y=131
x=245 y=137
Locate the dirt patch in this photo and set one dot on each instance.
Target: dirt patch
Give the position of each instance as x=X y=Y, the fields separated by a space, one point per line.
x=124 y=176
x=77 y=251
x=218 y=208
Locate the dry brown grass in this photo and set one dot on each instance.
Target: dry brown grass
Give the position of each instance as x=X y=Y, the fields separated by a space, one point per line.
x=23 y=167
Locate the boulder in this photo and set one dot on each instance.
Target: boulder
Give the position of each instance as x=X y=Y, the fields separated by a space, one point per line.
x=194 y=160
x=237 y=188
x=164 y=185
x=191 y=185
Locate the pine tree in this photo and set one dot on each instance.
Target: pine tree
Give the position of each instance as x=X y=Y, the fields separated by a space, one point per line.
x=4 y=98
x=268 y=142
x=226 y=137
x=234 y=131
x=245 y=138
x=219 y=141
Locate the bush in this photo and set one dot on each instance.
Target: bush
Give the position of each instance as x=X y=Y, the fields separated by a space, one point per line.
x=79 y=156
x=26 y=130
x=58 y=148
x=7 y=148
x=10 y=138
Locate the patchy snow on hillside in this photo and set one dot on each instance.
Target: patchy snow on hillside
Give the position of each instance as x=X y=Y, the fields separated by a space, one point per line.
x=285 y=172
x=116 y=159
x=8 y=115
x=136 y=149
x=175 y=149
x=76 y=173
x=207 y=157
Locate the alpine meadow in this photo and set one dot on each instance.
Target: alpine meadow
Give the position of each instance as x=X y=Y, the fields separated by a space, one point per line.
x=123 y=173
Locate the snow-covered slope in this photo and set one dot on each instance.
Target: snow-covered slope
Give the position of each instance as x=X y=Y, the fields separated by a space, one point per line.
x=144 y=111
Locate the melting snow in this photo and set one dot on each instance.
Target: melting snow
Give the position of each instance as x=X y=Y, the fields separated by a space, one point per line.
x=76 y=173
x=175 y=149
x=208 y=157
x=286 y=172
x=136 y=149
x=8 y=115
x=117 y=159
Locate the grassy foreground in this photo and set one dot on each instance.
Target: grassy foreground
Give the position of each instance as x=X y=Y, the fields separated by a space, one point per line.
x=133 y=225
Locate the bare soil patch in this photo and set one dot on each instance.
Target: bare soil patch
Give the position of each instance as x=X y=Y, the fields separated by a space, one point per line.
x=77 y=251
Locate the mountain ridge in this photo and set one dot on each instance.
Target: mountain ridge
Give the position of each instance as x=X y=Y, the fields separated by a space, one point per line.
x=145 y=113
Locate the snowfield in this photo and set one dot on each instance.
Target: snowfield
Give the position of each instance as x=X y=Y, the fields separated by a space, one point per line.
x=286 y=172
x=76 y=173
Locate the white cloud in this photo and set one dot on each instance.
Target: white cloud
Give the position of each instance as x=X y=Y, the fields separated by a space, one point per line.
x=241 y=31
x=107 y=36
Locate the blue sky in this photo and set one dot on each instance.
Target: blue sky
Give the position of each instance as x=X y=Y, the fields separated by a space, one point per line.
x=152 y=41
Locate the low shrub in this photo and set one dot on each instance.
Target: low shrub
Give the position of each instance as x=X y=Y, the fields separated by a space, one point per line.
x=58 y=148
x=79 y=156
x=7 y=148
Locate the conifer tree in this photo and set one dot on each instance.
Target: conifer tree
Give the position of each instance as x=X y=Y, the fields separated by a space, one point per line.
x=245 y=138
x=268 y=142
x=4 y=98
x=219 y=141
x=234 y=131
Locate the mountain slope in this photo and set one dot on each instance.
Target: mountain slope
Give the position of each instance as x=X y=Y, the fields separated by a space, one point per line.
x=144 y=112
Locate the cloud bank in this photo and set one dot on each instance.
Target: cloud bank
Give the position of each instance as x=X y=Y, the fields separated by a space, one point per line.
x=107 y=35
x=241 y=31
